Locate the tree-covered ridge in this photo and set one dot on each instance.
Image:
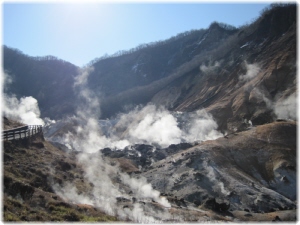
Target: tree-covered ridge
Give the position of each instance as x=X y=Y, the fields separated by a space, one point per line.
x=48 y=79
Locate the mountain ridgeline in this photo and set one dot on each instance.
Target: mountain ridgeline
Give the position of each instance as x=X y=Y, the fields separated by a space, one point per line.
x=48 y=79
x=234 y=73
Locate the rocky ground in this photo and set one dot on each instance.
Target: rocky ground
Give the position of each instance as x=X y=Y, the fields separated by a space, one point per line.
x=244 y=176
x=30 y=168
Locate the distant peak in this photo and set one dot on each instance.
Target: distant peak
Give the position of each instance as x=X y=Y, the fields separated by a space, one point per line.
x=218 y=25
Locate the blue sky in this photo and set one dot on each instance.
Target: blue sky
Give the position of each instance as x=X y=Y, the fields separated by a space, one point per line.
x=79 y=32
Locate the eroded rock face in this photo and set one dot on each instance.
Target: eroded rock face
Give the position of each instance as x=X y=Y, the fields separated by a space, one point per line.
x=250 y=77
x=144 y=155
x=253 y=170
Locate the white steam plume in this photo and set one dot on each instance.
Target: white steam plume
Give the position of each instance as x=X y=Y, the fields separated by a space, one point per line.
x=218 y=185
x=200 y=126
x=88 y=139
x=6 y=80
x=87 y=113
x=252 y=71
x=287 y=108
x=260 y=96
x=210 y=68
x=99 y=173
x=283 y=109
x=157 y=126
x=25 y=110
x=143 y=189
x=150 y=125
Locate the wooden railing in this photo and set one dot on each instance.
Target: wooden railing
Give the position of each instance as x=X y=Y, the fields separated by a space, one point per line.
x=22 y=132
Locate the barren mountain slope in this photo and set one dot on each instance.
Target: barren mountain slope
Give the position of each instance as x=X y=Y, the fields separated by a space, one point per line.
x=244 y=76
x=253 y=170
x=255 y=69
x=33 y=169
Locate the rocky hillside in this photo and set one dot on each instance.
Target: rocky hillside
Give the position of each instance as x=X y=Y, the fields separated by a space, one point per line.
x=242 y=78
x=247 y=169
x=30 y=169
x=151 y=62
x=244 y=176
x=245 y=80
x=250 y=175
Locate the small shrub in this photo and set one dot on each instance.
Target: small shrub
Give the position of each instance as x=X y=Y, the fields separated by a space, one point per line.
x=10 y=217
x=72 y=216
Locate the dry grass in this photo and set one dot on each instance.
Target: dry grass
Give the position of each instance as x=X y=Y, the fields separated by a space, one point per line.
x=126 y=165
x=29 y=170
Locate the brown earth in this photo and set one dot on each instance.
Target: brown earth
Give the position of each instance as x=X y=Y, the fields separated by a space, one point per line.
x=30 y=168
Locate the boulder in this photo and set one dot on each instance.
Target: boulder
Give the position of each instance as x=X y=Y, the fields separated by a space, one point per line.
x=216 y=205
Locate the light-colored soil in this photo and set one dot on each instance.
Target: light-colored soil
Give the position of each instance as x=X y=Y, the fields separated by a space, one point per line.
x=254 y=170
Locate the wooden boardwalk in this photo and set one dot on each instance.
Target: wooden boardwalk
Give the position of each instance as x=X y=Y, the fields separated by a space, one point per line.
x=22 y=132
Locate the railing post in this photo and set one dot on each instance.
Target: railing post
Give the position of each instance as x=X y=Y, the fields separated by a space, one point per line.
x=22 y=132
